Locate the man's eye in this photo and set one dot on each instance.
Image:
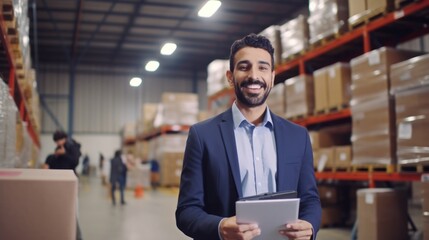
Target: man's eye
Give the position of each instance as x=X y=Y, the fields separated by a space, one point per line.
x=242 y=68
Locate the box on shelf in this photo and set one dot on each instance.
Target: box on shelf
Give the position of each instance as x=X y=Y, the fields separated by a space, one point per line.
x=273 y=34
x=382 y=214
x=327 y=18
x=276 y=99
x=320 y=90
x=357 y=7
x=178 y=109
x=171 y=168
x=216 y=76
x=331 y=136
x=410 y=73
x=425 y=196
x=326 y=157
x=147 y=117
x=29 y=195
x=412 y=119
x=299 y=96
x=339 y=81
x=328 y=194
x=129 y=132
x=343 y=156
x=294 y=36
x=374 y=135
x=332 y=215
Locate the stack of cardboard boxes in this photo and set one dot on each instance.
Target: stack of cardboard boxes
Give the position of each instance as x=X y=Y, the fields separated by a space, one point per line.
x=294 y=36
x=410 y=86
x=299 y=96
x=374 y=135
x=327 y=18
x=332 y=87
x=331 y=148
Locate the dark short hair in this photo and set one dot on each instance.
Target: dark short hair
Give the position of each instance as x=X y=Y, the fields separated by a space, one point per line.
x=251 y=40
x=59 y=135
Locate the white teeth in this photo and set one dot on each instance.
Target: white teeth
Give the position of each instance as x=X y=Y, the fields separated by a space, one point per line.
x=254 y=86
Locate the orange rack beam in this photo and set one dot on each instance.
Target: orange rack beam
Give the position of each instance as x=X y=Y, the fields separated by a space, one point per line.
x=371 y=177
x=345 y=113
x=162 y=130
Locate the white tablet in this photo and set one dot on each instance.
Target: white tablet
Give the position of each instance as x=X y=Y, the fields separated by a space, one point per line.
x=270 y=215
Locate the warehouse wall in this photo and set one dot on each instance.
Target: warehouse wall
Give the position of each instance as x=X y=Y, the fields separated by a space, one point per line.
x=103 y=103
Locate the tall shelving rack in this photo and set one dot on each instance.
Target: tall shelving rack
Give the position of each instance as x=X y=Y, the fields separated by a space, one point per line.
x=9 y=71
x=388 y=30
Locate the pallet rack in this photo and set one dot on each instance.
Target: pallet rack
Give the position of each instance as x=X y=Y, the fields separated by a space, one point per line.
x=8 y=69
x=410 y=21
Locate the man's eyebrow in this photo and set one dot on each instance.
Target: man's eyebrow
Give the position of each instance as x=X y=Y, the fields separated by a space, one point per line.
x=248 y=62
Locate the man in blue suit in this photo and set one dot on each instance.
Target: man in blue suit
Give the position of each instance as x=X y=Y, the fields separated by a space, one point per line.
x=244 y=151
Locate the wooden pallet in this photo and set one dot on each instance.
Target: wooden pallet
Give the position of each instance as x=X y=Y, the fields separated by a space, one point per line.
x=299 y=117
x=389 y=168
x=325 y=40
x=415 y=168
x=331 y=109
x=336 y=169
x=366 y=17
x=293 y=56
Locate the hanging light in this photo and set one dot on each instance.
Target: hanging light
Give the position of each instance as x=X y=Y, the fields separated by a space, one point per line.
x=168 y=48
x=209 y=8
x=152 y=66
x=135 y=82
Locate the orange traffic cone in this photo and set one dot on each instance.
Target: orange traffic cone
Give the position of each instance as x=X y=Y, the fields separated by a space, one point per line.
x=138 y=191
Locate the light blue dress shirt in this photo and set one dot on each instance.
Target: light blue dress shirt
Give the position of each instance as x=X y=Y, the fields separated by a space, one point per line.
x=257 y=156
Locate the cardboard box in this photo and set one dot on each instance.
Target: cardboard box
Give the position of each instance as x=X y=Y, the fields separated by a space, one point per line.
x=325 y=159
x=339 y=80
x=410 y=73
x=320 y=89
x=332 y=215
x=299 y=95
x=382 y=214
x=374 y=135
x=343 y=156
x=425 y=225
x=38 y=204
x=276 y=99
x=356 y=7
x=328 y=195
x=294 y=36
x=412 y=124
x=425 y=196
x=380 y=5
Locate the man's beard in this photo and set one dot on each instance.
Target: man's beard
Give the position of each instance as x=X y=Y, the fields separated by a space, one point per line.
x=251 y=100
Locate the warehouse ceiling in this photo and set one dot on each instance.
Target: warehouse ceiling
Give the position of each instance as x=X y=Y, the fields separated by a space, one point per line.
x=128 y=33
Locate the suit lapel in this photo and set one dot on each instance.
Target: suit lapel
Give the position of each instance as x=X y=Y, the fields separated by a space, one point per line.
x=227 y=131
x=284 y=145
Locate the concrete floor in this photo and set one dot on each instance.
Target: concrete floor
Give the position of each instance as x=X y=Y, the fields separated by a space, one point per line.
x=149 y=217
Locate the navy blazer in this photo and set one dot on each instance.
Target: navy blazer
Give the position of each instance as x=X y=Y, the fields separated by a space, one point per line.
x=210 y=182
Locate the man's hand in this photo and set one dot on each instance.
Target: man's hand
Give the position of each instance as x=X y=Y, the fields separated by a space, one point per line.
x=299 y=230
x=230 y=230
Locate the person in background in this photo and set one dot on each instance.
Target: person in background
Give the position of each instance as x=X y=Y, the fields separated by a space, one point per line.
x=101 y=168
x=118 y=173
x=244 y=151
x=66 y=156
x=85 y=165
x=71 y=147
x=59 y=160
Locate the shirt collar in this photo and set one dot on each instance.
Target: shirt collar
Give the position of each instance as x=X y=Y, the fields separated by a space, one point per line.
x=238 y=118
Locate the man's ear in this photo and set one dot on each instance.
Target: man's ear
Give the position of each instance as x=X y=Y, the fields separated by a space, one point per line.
x=230 y=78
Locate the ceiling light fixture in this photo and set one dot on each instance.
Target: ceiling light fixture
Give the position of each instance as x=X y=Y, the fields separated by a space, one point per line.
x=135 y=82
x=151 y=66
x=209 y=8
x=168 y=48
